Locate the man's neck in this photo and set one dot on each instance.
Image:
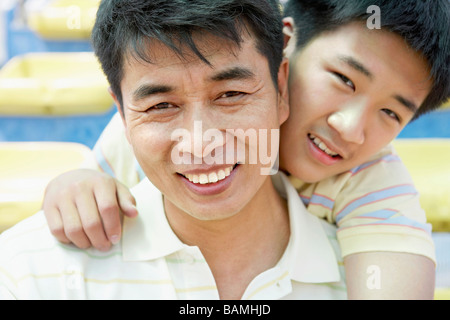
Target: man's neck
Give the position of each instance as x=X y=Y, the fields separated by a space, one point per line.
x=238 y=248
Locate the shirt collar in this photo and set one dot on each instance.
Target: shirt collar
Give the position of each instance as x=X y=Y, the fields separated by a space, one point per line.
x=149 y=235
x=309 y=255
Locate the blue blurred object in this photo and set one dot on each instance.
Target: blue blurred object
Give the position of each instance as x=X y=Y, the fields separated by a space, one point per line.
x=433 y=125
x=82 y=129
x=20 y=39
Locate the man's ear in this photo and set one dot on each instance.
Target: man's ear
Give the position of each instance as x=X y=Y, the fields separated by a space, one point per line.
x=289 y=36
x=120 y=110
x=283 y=91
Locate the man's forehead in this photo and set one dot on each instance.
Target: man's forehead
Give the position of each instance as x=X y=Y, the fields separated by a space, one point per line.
x=219 y=61
x=165 y=71
x=200 y=50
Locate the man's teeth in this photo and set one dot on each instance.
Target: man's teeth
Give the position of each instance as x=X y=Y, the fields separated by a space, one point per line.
x=211 y=177
x=322 y=146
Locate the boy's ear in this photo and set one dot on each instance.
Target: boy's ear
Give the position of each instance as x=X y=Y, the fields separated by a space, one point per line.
x=283 y=91
x=289 y=36
x=120 y=110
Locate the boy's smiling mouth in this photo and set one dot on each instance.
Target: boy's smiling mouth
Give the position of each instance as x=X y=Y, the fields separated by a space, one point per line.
x=322 y=146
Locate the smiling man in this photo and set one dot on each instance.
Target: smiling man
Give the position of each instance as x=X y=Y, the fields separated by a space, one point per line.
x=171 y=64
x=352 y=89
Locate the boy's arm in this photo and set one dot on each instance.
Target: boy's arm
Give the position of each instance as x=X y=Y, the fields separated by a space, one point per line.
x=84 y=206
x=389 y=275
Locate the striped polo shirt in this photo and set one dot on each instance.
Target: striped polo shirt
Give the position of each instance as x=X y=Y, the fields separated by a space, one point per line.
x=152 y=263
x=375 y=206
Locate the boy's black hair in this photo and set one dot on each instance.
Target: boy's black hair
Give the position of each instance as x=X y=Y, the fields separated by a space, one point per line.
x=123 y=28
x=424 y=24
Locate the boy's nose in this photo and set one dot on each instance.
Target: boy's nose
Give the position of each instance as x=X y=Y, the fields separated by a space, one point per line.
x=350 y=122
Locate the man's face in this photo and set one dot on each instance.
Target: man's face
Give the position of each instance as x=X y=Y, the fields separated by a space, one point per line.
x=351 y=93
x=186 y=95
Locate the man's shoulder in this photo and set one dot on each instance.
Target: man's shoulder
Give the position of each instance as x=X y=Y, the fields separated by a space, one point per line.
x=24 y=248
x=28 y=234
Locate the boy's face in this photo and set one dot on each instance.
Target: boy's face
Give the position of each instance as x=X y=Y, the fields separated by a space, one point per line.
x=351 y=93
x=190 y=97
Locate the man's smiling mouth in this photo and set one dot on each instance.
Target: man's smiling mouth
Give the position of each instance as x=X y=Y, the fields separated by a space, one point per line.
x=210 y=177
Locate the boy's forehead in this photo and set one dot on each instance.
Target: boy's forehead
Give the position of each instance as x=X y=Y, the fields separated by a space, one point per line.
x=355 y=38
x=378 y=55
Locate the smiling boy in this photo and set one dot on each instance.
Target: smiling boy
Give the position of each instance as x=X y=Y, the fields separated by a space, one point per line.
x=352 y=90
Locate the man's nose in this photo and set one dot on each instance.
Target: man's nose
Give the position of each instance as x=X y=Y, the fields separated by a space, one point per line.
x=201 y=136
x=350 y=121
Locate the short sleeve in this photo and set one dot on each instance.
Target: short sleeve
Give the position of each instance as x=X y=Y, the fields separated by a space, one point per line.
x=375 y=206
x=114 y=155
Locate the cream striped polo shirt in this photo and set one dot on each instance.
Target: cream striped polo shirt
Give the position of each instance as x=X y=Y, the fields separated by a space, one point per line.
x=152 y=263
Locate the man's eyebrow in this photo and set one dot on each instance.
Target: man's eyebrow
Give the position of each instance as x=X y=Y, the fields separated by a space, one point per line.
x=411 y=106
x=235 y=73
x=356 y=65
x=146 y=90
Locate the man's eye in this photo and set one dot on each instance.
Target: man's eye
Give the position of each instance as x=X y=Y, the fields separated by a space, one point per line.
x=391 y=114
x=161 y=106
x=345 y=80
x=231 y=94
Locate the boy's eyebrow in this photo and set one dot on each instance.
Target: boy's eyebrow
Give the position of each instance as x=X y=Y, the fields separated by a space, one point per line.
x=411 y=106
x=356 y=65
x=146 y=90
x=234 y=73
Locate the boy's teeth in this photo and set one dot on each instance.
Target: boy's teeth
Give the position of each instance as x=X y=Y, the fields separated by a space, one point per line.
x=211 y=177
x=322 y=146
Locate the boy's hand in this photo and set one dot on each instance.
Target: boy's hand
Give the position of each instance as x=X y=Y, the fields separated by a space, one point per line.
x=83 y=207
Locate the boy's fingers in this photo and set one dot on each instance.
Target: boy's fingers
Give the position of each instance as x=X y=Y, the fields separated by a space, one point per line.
x=55 y=224
x=73 y=228
x=126 y=200
x=89 y=209
x=109 y=210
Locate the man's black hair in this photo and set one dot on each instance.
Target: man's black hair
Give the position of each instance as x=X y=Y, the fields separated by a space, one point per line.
x=124 y=28
x=424 y=24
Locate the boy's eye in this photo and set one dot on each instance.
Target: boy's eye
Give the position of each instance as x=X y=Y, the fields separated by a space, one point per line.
x=391 y=114
x=345 y=80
